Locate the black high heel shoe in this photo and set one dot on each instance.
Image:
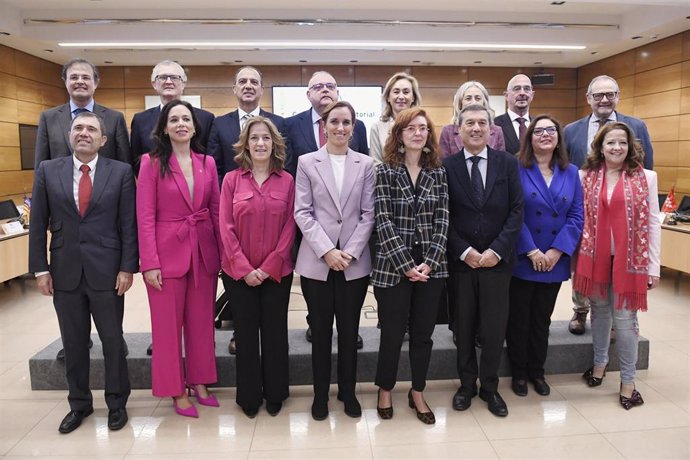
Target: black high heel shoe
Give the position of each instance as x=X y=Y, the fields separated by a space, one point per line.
x=593 y=381
x=386 y=413
x=425 y=417
x=634 y=400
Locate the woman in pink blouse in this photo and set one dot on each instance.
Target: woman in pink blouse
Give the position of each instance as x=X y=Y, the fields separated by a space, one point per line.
x=257 y=227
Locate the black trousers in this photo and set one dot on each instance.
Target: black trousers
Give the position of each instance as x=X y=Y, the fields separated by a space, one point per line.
x=262 y=340
x=342 y=299
x=74 y=311
x=481 y=305
x=531 y=306
x=415 y=303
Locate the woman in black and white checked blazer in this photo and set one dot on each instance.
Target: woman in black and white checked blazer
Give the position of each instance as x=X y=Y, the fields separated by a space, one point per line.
x=410 y=264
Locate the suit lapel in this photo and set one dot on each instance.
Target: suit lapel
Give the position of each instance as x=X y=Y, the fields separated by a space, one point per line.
x=308 y=130
x=234 y=118
x=199 y=182
x=463 y=176
x=66 y=172
x=491 y=172
x=557 y=184
x=179 y=179
x=404 y=185
x=64 y=120
x=100 y=182
x=323 y=167
x=425 y=184
x=352 y=172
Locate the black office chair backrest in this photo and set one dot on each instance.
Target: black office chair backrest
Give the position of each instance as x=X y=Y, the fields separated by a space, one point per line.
x=684 y=206
x=8 y=210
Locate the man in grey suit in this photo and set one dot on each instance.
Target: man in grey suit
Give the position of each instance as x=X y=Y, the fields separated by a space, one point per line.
x=81 y=80
x=603 y=95
x=87 y=202
x=519 y=95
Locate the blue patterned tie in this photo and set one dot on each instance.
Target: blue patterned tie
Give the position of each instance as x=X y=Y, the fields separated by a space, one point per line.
x=78 y=110
x=476 y=178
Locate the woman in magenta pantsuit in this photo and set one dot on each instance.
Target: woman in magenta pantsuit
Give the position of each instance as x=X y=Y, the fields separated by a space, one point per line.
x=179 y=245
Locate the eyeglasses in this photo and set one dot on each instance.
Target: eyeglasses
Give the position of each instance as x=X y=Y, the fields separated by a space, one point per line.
x=173 y=78
x=411 y=129
x=320 y=86
x=550 y=130
x=518 y=88
x=610 y=96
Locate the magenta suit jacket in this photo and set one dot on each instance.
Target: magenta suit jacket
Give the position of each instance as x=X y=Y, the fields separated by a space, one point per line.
x=326 y=218
x=451 y=142
x=171 y=227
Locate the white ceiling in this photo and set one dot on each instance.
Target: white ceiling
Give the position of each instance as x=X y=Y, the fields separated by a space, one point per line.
x=650 y=19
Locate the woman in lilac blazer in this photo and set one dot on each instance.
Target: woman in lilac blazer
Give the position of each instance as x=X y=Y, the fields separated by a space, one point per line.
x=334 y=209
x=179 y=241
x=470 y=92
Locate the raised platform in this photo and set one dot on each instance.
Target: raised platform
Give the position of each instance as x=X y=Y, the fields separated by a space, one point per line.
x=568 y=353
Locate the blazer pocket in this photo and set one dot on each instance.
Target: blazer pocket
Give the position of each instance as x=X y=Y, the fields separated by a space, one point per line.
x=110 y=242
x=56 y=242
x=55 y=226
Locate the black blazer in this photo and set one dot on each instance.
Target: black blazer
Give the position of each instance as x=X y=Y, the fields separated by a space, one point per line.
x=493 y=224
x=225 y=132
x=512 y=141
x=144 y=123
x=300 y=133
x=52 y=138
x=99 y=245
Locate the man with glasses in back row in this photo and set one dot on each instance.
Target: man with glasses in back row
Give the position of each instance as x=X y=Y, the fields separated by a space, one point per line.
x=603 y=95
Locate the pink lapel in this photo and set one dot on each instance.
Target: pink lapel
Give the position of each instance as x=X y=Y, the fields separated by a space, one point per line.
x=199 y=179
x=181 y=182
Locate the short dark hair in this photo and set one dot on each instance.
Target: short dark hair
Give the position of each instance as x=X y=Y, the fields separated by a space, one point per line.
x=71 y=62
x=475 y=108
x=526 y=154
x=88 y=114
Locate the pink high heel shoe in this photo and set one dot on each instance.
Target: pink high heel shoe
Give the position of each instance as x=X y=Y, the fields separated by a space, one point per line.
x=188 y=412
x=211 y=401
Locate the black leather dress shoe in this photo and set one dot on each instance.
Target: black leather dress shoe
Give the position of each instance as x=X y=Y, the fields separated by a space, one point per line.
x=319 y=409
x=232 y=346
x=497 y=405
x=149 y=350
x=360 y=342
x=117 y=418
x=61 y=354
x=273 y=408
x=541 y=387
x=352 y=407
x=519 y=387
x=250 y=411
x=307 y=335
x=73 y=419
x=462 y=400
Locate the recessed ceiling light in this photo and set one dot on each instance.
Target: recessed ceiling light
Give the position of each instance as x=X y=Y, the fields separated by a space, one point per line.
x=477 y=62
x=416 y=61
x=302 y=60
x=239 y=61
x=594 y=52
x=107 y=62
x=47 y=50
x=4 y=33
x=557 y=3
x=353 y=60
x=637 y=37
x=538 y=63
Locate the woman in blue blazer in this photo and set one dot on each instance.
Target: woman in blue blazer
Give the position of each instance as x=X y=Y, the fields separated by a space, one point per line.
x=550 y=233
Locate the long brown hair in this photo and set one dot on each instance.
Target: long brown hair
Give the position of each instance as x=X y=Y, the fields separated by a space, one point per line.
x=633 y=160
x=244 y=159
x=394 y=150
x=526 y=154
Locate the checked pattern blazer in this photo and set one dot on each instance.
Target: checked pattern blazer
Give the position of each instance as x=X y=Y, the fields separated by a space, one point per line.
x=397 y=217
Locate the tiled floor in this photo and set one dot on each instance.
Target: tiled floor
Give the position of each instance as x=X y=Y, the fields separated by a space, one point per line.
x=573 y=422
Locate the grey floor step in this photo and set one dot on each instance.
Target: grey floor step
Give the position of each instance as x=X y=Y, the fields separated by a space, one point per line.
x=568 y=353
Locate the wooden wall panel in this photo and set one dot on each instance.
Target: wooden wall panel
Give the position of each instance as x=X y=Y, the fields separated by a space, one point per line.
x=29 y=113
x=667 y=177
x=111 y=77
x=366 y=75
x=620 y=65
x=8 y=86
x=684 y=127
x=7 y=60
x=548 y=97
x=278 y=75
x=684 y=154
x=658 y=80
x=664 y=128
x=657 y=105
x=111 y=98
x=9 y=135
x=10 y=159
x=28 y=66
x=685 y=100
x=8 y=110
x=665 y=153
x=685 y=74
x=683 y=181
x=13 y=182
x=660 y=53
x=443 y=77
x=30 y=91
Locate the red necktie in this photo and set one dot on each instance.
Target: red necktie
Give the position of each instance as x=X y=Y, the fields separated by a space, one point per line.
x=322 y=134
x=85 y=188
x=521 y=127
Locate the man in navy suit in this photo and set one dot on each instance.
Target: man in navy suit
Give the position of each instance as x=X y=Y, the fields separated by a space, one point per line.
x=603 y=95
x=519 y=95
x=87 y=202
x=225 y=132
x=486 y=207
x=169 y=79
x=303 y=129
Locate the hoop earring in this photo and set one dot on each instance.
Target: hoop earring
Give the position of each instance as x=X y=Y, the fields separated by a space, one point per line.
x=426 y=150
x=401 y=150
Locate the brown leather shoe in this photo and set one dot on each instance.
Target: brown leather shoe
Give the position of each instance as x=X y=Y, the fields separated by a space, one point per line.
x=577 y=323
x=232 y=347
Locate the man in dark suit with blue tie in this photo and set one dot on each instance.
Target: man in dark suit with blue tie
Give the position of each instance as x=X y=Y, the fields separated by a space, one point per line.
x=87 y=202
x=225 y=132
x=486 y=207
x=519 y=95
x=603 y=95
x=304 y=129
x=169 y=79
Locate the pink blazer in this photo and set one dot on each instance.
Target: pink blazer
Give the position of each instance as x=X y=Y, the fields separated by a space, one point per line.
x=171 y=227
x=326 y=218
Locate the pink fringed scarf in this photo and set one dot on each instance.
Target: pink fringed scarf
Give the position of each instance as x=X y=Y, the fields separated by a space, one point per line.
x=626 y=217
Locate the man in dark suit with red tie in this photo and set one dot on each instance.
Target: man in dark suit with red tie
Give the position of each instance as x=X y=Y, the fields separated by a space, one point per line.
x=81 y=80
x=87 y=202
x=519 y=95
x=169 y=79
x=486 y=206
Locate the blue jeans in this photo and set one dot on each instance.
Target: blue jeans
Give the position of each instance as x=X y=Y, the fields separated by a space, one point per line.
x=627 y=335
